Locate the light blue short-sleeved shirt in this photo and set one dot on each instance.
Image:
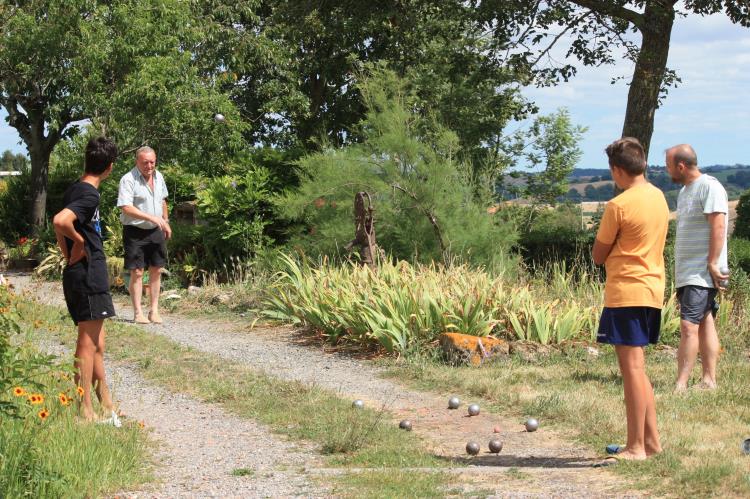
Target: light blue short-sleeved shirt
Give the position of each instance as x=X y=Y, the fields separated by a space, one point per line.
x=135 y=191
x=705 y=195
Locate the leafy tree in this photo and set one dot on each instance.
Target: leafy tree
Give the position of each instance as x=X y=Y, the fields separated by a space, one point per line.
x=126 y=66
x=13 y=162
x=597 y=28
x=552 y=143
x=424 y=203
x=305 y=89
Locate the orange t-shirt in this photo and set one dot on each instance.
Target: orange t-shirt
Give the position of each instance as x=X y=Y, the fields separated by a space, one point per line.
x=635 y=223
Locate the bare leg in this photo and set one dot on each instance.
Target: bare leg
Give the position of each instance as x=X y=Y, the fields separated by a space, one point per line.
x=709 y=348
x=651 y=437
x=637 y=387
x=154 y=279
x=99 y=375
x=88 y=337
x=136 y=292
x=686 y=353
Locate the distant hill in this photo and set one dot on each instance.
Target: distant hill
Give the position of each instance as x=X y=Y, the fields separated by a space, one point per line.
x=595 y=184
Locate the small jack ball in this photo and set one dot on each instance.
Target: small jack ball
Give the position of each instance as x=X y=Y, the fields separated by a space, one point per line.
x=532 y=424
x=472 y=448
x=358 y=404
x=453 y=403
x=495 y=446
x=405 y=425
x=473 y=409
x=219 y=118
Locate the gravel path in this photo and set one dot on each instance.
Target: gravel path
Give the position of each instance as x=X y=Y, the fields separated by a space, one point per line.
x=199 y=445
x=549 y=465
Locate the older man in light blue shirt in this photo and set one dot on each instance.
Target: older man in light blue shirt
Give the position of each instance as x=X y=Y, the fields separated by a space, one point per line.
x=145 y=218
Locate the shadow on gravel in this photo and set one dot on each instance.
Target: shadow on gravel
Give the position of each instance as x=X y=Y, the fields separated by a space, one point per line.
x=511 y=461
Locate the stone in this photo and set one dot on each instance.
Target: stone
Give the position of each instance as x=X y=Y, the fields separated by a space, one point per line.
x=193 y=290
x=461 y=348
x=530 y=351
x=220 y=299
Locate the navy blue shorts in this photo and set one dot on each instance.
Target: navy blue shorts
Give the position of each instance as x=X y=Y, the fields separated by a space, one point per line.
x=631 y=326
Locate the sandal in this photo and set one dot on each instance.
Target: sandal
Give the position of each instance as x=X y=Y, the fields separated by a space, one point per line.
x=608 y=461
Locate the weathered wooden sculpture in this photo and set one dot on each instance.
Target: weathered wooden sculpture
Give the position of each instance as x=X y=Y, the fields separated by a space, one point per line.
x=364 y=229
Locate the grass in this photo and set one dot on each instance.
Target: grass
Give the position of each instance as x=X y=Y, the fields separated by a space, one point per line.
x=391 y=483
x=68 y=459
x=347 y=438
x=582 y=396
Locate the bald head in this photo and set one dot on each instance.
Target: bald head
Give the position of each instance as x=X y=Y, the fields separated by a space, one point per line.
x=683 y=153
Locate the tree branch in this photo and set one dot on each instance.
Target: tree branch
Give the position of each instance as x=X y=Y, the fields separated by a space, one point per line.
x=430 y=216
x=560 y=35
x=17 y=119
x=611 y=10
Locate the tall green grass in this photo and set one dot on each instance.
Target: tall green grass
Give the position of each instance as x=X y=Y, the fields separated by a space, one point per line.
x=403 y=307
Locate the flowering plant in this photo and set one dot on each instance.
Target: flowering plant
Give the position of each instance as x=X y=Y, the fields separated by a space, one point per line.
x=25 y=248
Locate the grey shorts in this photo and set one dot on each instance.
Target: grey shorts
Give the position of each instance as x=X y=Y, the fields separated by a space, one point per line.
x=696 y=302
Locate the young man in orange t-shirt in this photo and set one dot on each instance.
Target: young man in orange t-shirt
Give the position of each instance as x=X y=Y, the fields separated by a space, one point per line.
x=630 y=244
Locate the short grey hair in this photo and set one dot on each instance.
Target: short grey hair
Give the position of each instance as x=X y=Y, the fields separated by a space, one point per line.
x=143 y=149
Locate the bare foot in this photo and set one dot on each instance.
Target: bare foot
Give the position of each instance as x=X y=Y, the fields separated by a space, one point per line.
x=627 y=455
x=705 y=385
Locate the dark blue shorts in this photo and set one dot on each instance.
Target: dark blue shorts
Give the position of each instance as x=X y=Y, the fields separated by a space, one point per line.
x=631 y=326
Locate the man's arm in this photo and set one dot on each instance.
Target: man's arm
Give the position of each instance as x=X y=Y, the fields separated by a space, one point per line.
x=601 y=252
x=717 y=238
x=63 y=223
x=165 y=216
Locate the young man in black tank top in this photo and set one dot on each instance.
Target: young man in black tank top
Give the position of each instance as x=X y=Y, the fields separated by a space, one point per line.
x=85 y=281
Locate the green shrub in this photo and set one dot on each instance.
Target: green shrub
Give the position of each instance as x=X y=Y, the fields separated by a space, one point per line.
x=742 y=223
x=739 y=254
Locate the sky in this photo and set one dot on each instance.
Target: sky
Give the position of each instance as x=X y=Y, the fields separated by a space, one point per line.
x=710 y=109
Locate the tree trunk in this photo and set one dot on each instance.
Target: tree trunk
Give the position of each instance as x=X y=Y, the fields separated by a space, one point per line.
x=643 y=97
x=39 y=176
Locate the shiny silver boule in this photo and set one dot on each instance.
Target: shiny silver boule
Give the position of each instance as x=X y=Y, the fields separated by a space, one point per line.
x=495 y=446
x=453 y=403
x=405 y=425
x=219 y=118
x=724 y=282
x=358 y=404
x=472 y=448
x=532 y=424
x=473 y=409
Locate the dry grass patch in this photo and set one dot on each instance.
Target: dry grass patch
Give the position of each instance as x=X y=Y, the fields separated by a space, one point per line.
x=701 y=431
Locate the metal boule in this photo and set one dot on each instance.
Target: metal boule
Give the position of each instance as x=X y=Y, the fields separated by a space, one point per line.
x=495 y=446
x=532 y=424
x=219 y=118
x=472 y=448
x=724 y=282
x=453 y=403
x=358 y=404
x=473 y=409
x=746 y=446
x=405 y=425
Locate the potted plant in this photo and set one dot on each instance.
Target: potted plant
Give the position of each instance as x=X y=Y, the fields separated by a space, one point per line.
x=22 y=256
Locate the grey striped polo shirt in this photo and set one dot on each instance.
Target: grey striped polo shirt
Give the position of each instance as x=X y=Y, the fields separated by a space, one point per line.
x=705 y=195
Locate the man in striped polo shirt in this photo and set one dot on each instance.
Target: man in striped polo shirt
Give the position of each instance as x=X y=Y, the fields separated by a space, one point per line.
x=700 y=255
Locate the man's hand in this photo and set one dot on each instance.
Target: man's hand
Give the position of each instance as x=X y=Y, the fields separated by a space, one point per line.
x=717 y=276
x=77 y=252
x=164 y=226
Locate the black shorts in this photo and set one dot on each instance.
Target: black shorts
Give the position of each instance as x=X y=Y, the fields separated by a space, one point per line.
x=84 y=305
x=696 y=302
x=144 y=247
